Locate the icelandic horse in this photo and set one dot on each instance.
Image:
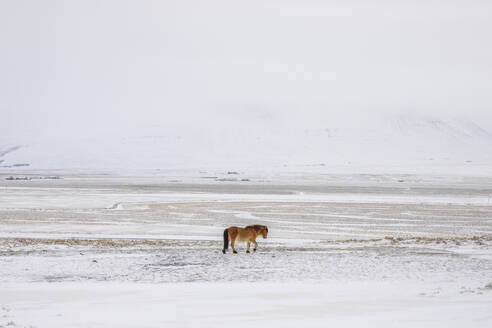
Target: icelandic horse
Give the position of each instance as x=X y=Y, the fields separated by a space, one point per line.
x=247 y=234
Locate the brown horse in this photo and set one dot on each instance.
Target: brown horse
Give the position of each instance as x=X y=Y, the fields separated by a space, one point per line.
x=247 y=234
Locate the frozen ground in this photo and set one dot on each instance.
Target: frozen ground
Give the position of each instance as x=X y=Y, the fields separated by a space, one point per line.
x=115 y=250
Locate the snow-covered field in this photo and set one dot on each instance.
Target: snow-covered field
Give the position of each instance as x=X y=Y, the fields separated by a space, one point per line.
x=90 y=250
x=133 y=132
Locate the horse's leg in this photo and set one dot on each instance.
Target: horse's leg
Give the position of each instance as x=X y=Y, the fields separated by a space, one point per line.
x=247 y=249
x=233 y=234
x=256 y=245
x=232 y=246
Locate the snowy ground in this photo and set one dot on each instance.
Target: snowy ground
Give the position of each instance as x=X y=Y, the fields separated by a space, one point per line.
x=115 y=250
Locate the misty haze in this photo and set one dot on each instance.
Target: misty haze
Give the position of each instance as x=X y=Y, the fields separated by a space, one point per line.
x=139 y=140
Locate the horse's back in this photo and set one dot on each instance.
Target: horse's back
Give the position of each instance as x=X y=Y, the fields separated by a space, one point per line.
x=245 y=234
x=240 y=234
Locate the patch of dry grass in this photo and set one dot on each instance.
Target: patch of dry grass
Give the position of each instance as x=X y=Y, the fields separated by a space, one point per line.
x=480 y=240
x=109 y=242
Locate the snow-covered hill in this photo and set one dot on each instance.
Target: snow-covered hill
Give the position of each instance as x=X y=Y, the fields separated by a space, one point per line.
x=402 y=143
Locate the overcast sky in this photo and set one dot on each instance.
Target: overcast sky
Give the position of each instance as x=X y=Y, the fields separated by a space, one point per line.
x=76 y=67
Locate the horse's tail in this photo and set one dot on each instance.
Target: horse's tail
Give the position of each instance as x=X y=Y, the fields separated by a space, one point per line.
x=226 y=240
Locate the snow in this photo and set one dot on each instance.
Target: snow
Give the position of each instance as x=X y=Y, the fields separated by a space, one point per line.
x=136 y=250
x=371 y=143
x=360 y=133
x=241 y=305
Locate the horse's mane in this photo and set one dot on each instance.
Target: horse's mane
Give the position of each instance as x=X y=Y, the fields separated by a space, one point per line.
x=257 y=227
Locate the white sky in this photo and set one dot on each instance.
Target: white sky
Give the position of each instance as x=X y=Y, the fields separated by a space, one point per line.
x=78 y=67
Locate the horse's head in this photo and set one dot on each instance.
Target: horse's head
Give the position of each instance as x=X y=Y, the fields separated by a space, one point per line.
x=259 y=230
x=264 y=231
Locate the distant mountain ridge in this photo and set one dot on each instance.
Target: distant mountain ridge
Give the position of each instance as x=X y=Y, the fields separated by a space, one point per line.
x=395 y=141
x=5 y=150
